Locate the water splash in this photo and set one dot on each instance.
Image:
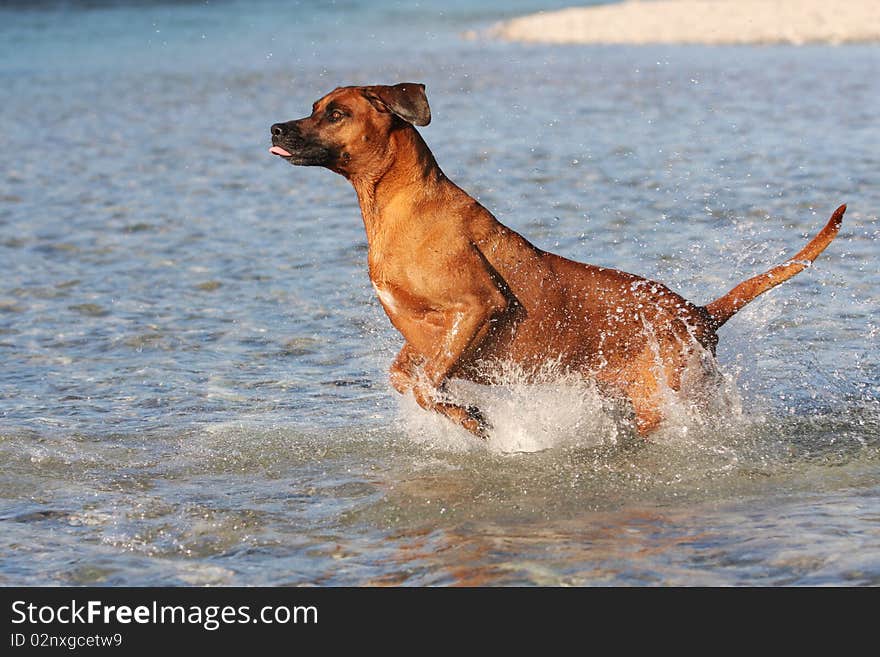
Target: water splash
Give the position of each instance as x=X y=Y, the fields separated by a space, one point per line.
x=553 y=408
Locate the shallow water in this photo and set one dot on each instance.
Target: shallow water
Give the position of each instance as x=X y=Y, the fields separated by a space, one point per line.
x=193 y=387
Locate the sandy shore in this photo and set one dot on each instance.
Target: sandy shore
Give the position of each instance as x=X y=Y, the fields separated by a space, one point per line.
x=703 y=22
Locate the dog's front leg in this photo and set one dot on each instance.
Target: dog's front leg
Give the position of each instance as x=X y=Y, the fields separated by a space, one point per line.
x=467 y=324
x=403 y=370
x=405 y=378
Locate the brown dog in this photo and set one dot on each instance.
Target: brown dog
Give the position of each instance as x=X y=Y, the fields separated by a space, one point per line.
x=463 y=289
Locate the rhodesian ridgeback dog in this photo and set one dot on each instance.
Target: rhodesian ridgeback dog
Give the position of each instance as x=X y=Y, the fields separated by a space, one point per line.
x=465 y=290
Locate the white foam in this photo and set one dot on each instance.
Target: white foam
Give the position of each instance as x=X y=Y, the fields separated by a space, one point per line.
x=555 y=409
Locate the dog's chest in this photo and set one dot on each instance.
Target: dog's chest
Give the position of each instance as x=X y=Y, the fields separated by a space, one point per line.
x=392 y=284
x=405 y=309
x=387 y=299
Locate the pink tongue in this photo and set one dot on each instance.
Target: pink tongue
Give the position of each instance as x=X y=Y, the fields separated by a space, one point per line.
x=277 y=150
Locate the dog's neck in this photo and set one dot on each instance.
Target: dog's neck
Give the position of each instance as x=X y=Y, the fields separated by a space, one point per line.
x=406 y=173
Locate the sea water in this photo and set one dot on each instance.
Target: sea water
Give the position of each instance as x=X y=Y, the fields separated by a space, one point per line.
x=193 y=386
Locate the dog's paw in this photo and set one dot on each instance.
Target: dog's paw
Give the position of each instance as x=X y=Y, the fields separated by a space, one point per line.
x=477 y=423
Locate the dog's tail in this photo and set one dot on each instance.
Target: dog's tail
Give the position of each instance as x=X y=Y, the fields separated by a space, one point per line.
x=727 y=306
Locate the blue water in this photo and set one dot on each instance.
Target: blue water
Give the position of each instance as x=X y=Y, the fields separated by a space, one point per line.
x=193 y=385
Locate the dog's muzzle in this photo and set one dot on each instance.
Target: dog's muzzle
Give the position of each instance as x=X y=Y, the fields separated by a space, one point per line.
x=289 y=142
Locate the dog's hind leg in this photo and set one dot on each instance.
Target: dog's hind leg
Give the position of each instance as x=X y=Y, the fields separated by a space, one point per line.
x=643 y=380
x=648 y=415
x=643 y=390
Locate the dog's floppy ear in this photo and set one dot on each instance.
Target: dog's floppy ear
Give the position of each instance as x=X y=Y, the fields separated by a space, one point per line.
x=407 y=100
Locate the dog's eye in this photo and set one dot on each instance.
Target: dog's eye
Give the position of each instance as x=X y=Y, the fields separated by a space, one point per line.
x=335 y=116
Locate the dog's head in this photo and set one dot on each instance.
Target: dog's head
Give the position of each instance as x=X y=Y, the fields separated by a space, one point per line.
x=349 y=128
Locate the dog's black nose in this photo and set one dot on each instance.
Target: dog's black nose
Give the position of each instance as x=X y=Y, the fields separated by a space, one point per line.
x=278 y=130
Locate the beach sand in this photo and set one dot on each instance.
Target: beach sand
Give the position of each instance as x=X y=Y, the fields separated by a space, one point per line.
x=712 y=22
